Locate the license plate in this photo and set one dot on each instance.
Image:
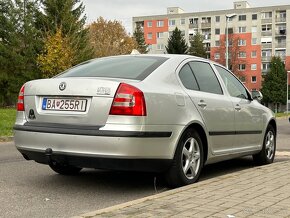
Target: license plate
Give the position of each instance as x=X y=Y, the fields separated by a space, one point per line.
x=64 y=104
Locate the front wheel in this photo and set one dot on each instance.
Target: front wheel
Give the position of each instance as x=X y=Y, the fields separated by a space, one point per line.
x=267 y=154
x=64 y=169
x=188 y=160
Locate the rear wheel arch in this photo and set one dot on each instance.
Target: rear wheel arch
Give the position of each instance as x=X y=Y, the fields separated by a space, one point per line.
x=273 y=123
x=200 y=130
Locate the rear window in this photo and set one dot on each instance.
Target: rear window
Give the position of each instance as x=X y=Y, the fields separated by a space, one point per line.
x=125 y=67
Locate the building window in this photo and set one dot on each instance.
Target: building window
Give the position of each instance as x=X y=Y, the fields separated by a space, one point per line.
x=217 y=19
x=242 y=17
x=230 y=30
x=242 y=29
x=254 y=29
x=254 y=41
x=217 y=56
x=243 y=79
x=242 y=42
x=242 y=54
x=160 y=23
x=182 y=21
x=217 y=43
x=266 y=27
x=230 y=19
x=253 y=66
x=265 y=66
x=149 y=36
x=266 y=53
x=149 y=24
x=159 y=35
x=266 y=15
x=254 y=16
x=171 y=22
x=160 y=46
x=217 y=31
x=254 y=79
x=242 y=67
x=254 y=54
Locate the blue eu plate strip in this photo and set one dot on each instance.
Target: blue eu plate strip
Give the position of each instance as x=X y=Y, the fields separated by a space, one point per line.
x=44 y=104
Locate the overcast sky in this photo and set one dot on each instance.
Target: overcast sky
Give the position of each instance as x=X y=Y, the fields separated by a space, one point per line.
x=124 y=10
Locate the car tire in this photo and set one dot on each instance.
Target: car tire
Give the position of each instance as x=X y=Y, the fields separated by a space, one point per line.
x=188 y=160
x=267 y=154
x=64 y=169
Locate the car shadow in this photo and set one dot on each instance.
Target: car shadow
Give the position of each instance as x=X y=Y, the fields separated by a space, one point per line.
x=132 y=182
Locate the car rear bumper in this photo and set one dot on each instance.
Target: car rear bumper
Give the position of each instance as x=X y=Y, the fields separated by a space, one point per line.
x=91 y=161
x=150 y=150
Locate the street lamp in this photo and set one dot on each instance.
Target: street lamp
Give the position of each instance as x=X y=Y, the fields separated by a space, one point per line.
x=228 y=16
x=287 y=93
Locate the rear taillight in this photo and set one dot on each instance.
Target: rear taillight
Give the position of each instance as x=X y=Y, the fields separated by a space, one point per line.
x=20 y=102
x=128 y=101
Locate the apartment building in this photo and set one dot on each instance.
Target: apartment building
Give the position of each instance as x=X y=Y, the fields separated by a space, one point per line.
x=262 y=32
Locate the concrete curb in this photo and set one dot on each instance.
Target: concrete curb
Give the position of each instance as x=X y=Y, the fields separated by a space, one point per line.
x=152 y=197
x=170 y=192
x=6 y=138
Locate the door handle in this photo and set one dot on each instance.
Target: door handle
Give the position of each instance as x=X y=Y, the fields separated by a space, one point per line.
x=201 y=103
x=238 y=107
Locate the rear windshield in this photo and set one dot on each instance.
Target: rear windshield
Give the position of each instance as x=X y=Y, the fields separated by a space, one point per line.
x=125 y=67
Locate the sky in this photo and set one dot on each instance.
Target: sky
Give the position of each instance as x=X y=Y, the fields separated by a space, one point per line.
x=124 y=10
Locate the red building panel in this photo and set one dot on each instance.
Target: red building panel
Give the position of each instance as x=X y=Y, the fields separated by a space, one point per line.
x=154 y=30
x=248 y=73
x=287 y=66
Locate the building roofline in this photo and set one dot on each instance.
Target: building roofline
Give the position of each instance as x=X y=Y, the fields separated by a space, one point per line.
x=215 y=12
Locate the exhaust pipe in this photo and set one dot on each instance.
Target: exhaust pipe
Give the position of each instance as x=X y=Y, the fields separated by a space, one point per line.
x=48 y=153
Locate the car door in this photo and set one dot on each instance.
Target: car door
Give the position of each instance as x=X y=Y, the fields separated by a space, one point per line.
x=215 y=108
x=248 y=114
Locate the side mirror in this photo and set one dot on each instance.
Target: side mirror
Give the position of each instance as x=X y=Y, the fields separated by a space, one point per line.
x=257 y=95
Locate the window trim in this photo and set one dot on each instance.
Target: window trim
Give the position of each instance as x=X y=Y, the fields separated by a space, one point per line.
x=252 y=79
x=159 y=22
x=149 y=22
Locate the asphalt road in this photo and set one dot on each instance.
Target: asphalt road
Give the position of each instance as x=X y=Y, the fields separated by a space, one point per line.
x=28 y=189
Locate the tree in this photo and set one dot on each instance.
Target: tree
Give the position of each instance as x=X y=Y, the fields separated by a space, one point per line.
x=67 y=16
x=273 y=89
x=140 y=39
x=234 y=50
x=176 y=43
x=110 y=38
x=196 y=46
x=19 y=44
x=57 y=56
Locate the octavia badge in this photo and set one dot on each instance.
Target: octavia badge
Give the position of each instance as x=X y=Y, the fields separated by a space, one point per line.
x=62 y=86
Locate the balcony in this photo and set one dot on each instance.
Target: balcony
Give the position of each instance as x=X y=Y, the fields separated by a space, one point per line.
x=193 y=25
x=266 y=58
x=280 y=19
x=207 y=49
x=280 y=45
x=266 y=20
x=265 y=71
x=266 y=33
x=266 y=45
x=283 y=57
x=205 y=25
x=281 y=32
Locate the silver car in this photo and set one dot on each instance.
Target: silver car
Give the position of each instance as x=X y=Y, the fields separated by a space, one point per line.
x=160 y=113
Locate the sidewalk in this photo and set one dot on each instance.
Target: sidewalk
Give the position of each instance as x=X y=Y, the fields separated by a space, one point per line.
x=256 y=192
